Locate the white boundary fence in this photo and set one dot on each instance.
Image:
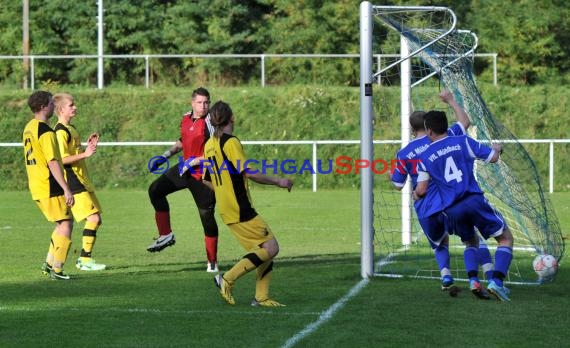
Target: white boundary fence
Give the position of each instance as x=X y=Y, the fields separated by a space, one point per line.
x=314 y=144
x=262 y=57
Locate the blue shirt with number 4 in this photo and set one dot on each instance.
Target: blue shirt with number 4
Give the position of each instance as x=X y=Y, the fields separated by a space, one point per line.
x=449 y=163
x=408 y=159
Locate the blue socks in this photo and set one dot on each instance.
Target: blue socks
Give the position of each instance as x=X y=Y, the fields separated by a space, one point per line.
x=485 y=260
x=471 y=259
x=442 y=257
x=503 y=258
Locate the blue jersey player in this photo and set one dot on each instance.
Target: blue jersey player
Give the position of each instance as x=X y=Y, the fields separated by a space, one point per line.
x=448 y=164
x=424 y=208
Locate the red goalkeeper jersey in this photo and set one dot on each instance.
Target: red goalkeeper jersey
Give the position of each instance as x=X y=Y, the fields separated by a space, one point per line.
x=194 y=132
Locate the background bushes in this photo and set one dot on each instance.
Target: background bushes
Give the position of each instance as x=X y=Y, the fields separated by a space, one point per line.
x=273 y=113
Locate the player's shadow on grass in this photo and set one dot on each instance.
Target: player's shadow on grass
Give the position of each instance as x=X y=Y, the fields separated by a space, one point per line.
x=173 y=267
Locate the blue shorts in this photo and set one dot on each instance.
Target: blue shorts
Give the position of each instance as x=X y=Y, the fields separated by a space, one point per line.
x=474 y=211
x=434 y=229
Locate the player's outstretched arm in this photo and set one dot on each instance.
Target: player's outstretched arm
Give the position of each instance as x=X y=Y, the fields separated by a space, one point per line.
x=498 y=150
x=174 y=149
x=460 y=114
x=270 y=180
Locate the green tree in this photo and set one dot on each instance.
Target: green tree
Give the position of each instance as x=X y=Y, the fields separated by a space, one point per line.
x=133 y=27
x=314 y=27
x=531 y=37
x=70 y=28
x=11 y=71
x=234 y=27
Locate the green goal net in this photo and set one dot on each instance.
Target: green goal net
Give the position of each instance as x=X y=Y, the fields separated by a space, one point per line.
x=430 y=54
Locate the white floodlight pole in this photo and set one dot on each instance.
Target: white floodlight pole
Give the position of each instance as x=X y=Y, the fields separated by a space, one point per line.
x=406 y=109
x=100 y=44
x=366 y=144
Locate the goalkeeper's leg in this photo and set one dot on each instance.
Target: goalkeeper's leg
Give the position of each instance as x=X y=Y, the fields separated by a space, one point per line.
x=205 y=201
x=158 y=190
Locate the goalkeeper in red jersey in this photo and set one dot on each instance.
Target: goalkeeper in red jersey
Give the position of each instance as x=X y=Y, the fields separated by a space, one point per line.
x=195 y=130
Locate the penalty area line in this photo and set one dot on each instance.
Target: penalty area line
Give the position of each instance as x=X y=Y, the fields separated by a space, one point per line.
x=326 y=315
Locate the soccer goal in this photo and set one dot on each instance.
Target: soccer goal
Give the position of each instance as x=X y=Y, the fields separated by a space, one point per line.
x=431 y=54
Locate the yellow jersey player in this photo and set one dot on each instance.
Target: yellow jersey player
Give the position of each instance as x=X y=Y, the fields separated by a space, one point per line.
x=228 y=176
x=86 y=205
x=47 y=182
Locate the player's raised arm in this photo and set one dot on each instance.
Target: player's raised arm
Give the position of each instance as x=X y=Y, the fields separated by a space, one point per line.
x=460 y=114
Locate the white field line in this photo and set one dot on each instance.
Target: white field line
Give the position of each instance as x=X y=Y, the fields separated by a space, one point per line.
x=326 y=315
x=155 y=311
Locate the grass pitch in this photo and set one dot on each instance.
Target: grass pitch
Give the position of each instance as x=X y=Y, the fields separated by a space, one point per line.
x=167 y=299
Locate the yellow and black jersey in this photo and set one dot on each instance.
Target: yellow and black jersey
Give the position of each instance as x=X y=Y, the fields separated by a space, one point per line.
x=69 y=145
x=40 y=147
x=224 y=169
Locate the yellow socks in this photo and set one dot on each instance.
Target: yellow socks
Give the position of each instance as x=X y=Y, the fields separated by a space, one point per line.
x=49 y=257
x=88 y=240
x=248 y=263
x=263 y=279
x=61 y=246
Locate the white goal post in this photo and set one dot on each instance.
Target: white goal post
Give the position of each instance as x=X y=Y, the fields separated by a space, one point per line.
x=367 y=78
x=366 y=142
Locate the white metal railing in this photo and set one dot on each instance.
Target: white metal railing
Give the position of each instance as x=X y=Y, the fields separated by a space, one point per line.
x=262 y=57
x=315 y=143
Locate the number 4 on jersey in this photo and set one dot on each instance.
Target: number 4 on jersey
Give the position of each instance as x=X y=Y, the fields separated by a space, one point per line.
x=451 y=171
